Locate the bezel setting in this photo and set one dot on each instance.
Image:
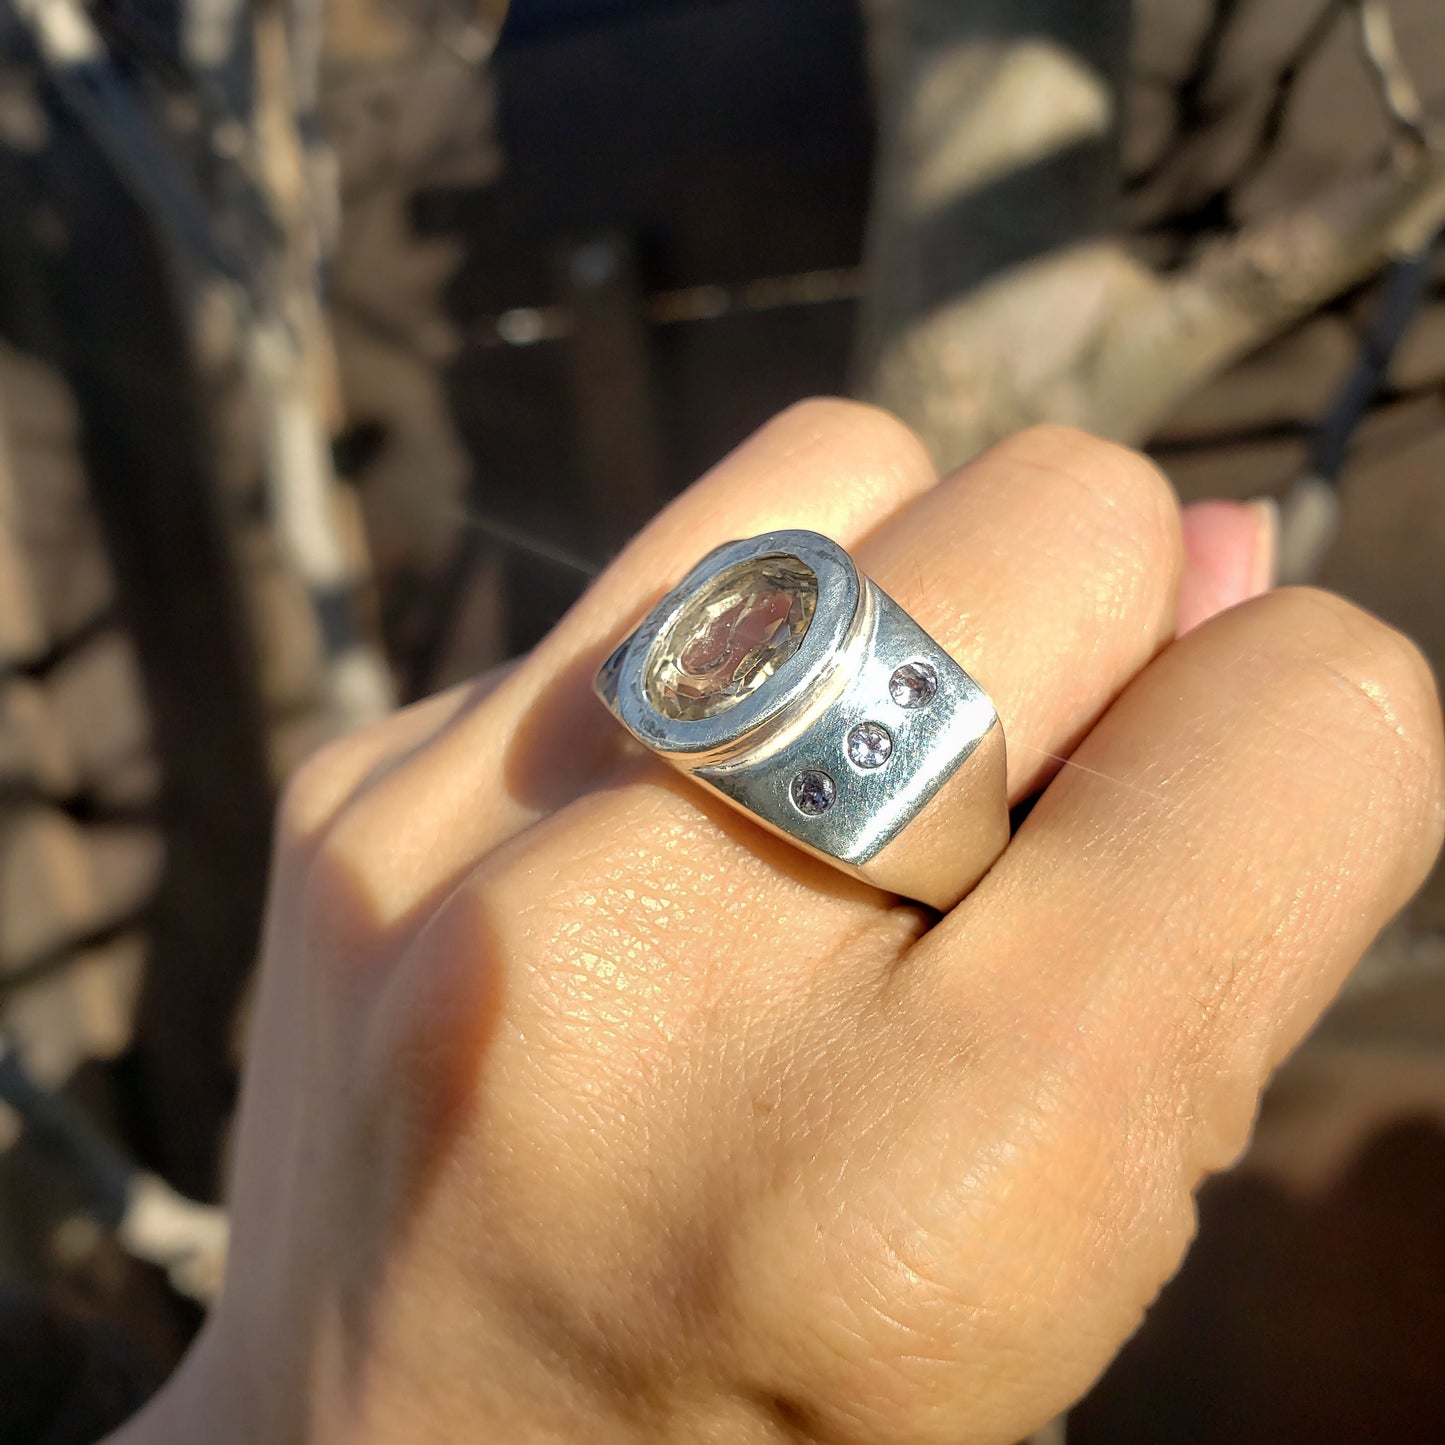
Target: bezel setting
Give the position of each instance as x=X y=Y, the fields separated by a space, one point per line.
x=822 y=712
x=823 y=644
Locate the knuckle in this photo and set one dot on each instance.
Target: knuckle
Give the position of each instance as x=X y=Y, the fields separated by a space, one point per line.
x=842 y=413
x=337 y=772
x=334 y=853
x=1379 y=662
x=1393 y=714
x=873 y=435
x=1117 y=488
x=1116 y=509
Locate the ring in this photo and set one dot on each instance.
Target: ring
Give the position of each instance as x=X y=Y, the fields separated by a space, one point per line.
x=794 y=686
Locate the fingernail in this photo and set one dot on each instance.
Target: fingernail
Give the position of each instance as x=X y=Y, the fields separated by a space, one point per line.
x=1266 y=546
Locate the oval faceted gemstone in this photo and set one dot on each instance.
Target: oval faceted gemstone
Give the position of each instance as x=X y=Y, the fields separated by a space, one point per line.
x=731 y=637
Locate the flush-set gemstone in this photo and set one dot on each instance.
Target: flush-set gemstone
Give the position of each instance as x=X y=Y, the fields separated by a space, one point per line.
x=813 y=792
x=870 y=745
x=913 y=684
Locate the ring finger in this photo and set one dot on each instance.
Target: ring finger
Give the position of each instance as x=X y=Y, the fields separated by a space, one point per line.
x=1048 y=567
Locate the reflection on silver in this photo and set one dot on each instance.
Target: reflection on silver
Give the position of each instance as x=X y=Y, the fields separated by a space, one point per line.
x=793 y=686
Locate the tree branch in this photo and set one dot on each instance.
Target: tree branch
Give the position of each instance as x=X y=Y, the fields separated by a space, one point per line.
x=1090 y=335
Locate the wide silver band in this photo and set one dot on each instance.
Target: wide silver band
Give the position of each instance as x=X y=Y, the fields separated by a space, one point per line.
x=868 y=746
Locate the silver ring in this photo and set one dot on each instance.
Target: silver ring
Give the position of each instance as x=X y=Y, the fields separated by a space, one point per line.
x=796 y=688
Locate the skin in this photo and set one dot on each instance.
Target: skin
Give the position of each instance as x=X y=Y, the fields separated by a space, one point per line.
x=580 y=1108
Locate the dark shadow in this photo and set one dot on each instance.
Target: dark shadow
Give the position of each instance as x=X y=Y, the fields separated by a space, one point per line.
x=1297 y=1321
x=89 y=283
x=64 y=1380
x=723 y=142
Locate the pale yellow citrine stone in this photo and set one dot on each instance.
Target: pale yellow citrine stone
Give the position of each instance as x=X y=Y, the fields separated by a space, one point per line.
x=731 y=637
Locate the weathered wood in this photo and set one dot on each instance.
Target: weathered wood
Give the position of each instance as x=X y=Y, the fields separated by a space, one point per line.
x=124 y=351
x=1025 y=313
x=47 y=894
x=998 y=145
x=35 y=760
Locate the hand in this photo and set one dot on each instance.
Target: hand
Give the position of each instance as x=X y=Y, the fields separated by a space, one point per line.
x=579 y=1108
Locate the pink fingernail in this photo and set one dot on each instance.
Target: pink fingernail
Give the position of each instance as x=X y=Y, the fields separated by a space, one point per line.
x=1229 y=556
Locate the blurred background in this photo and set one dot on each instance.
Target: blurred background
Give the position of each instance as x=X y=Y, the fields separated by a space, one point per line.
x=340 y=346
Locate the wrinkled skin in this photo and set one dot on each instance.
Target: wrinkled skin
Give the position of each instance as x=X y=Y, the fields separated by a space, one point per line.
x=578 y=1108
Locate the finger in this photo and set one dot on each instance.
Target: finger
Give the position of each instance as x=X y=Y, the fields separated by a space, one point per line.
x=1229 y=552
x=542 y=738
x=1048 y=568
x=339 y=769
x=1172 y=917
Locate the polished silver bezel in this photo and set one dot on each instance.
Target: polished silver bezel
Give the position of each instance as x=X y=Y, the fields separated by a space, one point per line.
x=797 y=681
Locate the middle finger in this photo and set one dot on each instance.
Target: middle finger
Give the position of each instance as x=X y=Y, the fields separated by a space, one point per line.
x=1047 y=567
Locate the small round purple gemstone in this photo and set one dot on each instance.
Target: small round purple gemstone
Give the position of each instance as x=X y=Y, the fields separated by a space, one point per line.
x=870 y=745
x=913 y=685
x=813 y=792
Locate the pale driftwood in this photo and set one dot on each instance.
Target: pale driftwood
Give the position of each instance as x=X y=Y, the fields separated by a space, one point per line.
x=291 y=364
x=999 y=291
x=186 y=1239
x=998 y=131
x=1092 y=336
x=1396 y=87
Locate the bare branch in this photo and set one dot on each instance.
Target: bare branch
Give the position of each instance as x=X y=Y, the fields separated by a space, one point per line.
x=290 y=360
x=1397 y=90
x=1091 y=336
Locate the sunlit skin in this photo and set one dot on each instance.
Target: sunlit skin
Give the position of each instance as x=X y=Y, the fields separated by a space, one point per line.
x=580 y=1109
